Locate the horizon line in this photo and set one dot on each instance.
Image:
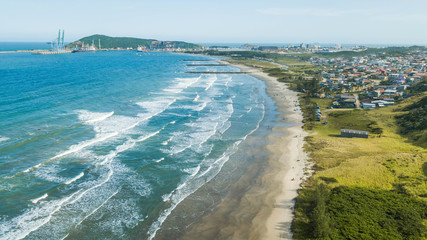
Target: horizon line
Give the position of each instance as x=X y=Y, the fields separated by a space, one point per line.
x=278 y=43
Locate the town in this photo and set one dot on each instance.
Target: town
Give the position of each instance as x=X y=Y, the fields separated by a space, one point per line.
x=378 y=80
x=350 y=77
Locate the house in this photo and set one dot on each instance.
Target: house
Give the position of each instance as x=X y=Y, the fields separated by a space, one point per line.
x=382 y=103
x=402 y=87
x=367 y=105
x=389 y=92
x=354 y=133
x=346 y=101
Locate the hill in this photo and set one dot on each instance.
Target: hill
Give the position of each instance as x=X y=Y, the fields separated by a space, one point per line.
x=129 y=42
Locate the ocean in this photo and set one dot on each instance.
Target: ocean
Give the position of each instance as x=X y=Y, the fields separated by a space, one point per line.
x=14 y=46
x=112 y=145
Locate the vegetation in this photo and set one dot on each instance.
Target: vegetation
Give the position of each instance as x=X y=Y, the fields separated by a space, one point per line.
x=125 y=42
x=387 y=52
x=254 y=63
x=361 y=213
x=290 y=60
x=420 y=86
x=373 y=188
x=413 y=122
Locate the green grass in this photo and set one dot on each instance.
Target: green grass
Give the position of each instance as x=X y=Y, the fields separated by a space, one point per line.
x=291 y=61
x=385 y=164
x=254 y=63
x=413 y=121
x=323 y=103
x=358 y=213
x=373 y=188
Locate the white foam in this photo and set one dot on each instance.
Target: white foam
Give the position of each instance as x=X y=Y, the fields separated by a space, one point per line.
x=159 y=160
x=185 y=189
x=202 y=129
x=77 y=147
x=167 y=197
x=201 y=106
x=121 y=216
x=210 y=83
x=216 y=122
x=75 y=178
x=197 y=108
x=196 y=98
x=154 y=108
x=4 y=139
x=105 y=125
x=210 y=168
x=49 y=173
x=147 y=136
x=182 y=84
x=224 y=127
x=33 y=219
x=192 y=171
x=96 y=209
x=164 y=143
x=116 y=123
x=258 y=124
x=52 y=207
x=36 y=200
x=32 y=168
x=90 y=117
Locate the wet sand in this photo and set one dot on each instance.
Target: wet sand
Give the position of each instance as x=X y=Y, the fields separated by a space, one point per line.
x=260 y=204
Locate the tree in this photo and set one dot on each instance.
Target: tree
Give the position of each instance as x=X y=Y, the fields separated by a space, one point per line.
x=320 y=216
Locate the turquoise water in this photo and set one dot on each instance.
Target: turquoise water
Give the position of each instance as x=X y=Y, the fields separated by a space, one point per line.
x=106 y=145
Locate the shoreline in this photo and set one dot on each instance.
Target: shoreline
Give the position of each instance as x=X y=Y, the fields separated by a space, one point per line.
x=287 y=160
x=265 y=208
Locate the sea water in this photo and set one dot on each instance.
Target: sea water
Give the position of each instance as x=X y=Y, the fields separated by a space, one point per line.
x=108 y=145
x=14 y=46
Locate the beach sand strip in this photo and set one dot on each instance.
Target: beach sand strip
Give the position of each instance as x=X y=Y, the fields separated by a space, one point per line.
x=260 y=205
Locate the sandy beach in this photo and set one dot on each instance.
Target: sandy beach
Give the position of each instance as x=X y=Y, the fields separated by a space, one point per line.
x=260 y=205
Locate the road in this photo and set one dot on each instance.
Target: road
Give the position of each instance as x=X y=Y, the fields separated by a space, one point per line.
x=357 y=100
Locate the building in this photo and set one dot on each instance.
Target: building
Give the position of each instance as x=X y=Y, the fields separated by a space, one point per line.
x=354 y=133
x=366 y=105
x=268 y=48
x=346 y=101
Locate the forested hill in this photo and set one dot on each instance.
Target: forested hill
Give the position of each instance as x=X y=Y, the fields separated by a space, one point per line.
x=129 y=42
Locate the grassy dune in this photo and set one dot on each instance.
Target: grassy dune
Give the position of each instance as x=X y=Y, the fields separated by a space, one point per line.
x=352 y=171
x=253 y=63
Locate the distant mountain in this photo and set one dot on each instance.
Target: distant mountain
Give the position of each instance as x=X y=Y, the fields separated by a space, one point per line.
x=129 y=42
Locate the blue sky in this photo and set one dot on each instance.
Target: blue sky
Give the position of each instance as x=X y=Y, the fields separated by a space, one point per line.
x=227 y=21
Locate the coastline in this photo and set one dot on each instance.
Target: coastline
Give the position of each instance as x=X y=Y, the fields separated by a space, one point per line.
x=264 y=208
x=287 y=160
